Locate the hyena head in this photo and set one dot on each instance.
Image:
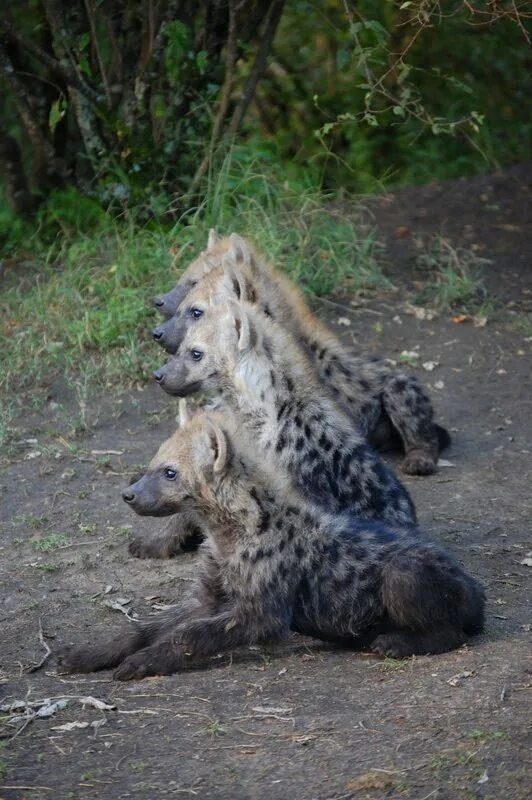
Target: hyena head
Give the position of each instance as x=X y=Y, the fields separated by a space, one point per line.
x=167 y=304
x=211 y=352
x=181 y=475
x=228 y=277
x=221 y=285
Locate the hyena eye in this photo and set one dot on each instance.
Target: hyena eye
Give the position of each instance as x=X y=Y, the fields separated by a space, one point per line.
x=197 y=355
x=196 y=313
x=170 y=474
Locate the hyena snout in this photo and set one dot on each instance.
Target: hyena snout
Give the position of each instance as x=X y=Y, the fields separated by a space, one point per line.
x=159 y=376
x=170 y=334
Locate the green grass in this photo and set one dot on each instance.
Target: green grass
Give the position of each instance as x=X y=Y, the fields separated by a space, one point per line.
x=51 y=542
x=454 y=279
x=81 y=306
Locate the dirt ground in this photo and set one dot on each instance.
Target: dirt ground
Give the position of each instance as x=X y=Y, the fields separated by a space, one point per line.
x=304 y=721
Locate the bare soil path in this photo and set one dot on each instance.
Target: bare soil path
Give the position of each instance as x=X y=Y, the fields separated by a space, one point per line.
x=306 y=721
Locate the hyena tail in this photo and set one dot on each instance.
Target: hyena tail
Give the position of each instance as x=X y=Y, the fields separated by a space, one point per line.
x=444 y=437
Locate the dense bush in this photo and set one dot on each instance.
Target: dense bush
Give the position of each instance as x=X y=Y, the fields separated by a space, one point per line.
x=128 y=102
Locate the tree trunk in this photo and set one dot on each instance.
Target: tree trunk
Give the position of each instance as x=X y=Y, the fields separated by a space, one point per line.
x=13 y=176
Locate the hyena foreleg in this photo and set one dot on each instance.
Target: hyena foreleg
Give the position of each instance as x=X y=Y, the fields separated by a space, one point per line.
x=110 y=653
x=182 y=533
x=196 y=641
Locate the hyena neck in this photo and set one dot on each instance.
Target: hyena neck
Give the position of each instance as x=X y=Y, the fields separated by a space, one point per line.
x=272 y=373
x=242 y=503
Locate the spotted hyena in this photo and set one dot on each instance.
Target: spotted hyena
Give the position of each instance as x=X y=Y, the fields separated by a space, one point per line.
x=273 y=562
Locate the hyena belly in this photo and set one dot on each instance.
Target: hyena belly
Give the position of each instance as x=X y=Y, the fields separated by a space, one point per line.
x=335 y=468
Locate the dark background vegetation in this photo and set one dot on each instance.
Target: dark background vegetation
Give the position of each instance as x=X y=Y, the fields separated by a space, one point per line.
x=129 y=127
x=122 y=104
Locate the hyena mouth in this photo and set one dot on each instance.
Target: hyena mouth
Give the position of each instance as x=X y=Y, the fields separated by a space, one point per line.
x=181 y=391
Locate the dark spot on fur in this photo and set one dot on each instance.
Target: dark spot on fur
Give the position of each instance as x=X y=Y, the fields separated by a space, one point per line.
x=281 y=444
x=267 y=348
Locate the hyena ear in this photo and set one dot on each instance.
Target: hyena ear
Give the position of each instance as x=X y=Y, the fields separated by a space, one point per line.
x=244 y=327
x=184 y=416
x=239 y=251
x=242 y=286
x=218 y=443
x=212 y=240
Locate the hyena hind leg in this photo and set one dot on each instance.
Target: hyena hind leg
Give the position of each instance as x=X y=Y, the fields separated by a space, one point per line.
x=410 y=410
x=181 y=534
x=431 y=603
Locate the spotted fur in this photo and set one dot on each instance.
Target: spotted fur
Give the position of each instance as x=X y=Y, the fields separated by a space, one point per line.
x=274 y=563
x=389 y=406
x=270 y=382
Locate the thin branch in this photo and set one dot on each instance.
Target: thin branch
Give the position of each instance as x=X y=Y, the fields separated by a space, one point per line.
x=259 y=66
x=225 y=97
x=94 y=37
x=69 y=76
x=46 y=656
x=46 y=164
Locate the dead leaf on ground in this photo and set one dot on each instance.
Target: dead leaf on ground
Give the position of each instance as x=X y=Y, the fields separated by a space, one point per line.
x=343 y=321
x=419 y=312
x=459 y=318
x=401 y=231
x=371 y=780
x=456 y=680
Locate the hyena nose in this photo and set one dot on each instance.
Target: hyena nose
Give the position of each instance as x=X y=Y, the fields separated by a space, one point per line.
x=159 y=376
x=128 y=496
x=158 y=302
x=157 y=334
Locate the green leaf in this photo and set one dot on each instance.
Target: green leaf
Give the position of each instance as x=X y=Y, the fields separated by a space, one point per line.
x=371 y=119
x=57 y=112
x=380 y=32
x=178 y=39
x=398 y=111
x=159 y=106
x=201 y=61
x=83 y=41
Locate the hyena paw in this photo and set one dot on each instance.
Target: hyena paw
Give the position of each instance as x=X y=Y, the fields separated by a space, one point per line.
x=135 y=667
x=76 y=659
x=146 y=548
x=418 y=462
x=392 y=645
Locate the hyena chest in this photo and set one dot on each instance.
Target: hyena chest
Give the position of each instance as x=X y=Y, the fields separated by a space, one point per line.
x=338 y=471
